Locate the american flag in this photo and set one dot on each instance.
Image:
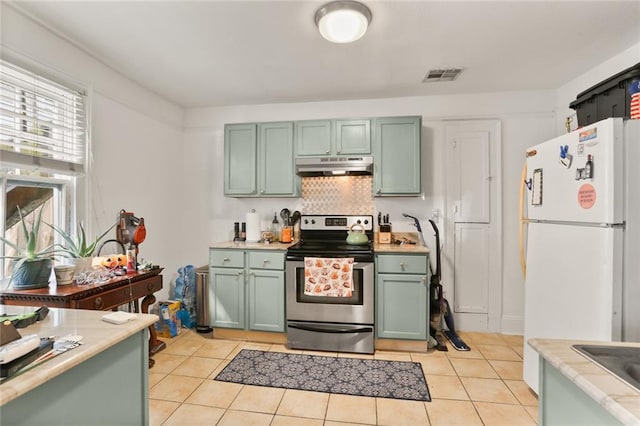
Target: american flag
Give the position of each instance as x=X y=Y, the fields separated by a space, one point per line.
x=635 y=99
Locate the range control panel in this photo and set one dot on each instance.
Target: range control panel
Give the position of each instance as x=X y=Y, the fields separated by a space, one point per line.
x=334 y=222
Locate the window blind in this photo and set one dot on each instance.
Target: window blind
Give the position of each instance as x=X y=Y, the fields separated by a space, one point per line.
x=42 y=123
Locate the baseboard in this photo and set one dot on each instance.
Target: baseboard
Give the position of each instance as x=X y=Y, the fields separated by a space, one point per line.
x=401 y=345
x=512 y=324
x=250 y=336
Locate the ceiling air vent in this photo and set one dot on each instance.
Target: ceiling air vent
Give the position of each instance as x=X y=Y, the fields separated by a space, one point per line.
x=442 y=74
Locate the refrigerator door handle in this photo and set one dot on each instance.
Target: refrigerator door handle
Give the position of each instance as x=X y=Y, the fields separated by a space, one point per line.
x=523 y=220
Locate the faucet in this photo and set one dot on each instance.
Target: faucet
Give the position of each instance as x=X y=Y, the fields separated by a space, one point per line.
x=416 y=223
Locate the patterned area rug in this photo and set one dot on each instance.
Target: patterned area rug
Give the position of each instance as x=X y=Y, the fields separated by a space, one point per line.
x=350 y=376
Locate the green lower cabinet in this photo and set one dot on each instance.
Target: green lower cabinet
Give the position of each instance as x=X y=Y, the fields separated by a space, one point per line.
x=246 y=289
x=402 y=304
x=561 y=402
x=226 y=297
x=266 y=300
x=401 y=307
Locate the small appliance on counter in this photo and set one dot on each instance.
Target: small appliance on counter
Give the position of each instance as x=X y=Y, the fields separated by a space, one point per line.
x=384 y=229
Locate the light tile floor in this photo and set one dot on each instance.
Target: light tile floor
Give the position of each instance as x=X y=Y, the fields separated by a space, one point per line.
x=482 y=386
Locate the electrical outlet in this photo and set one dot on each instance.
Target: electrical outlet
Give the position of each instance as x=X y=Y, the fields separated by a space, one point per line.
x=435 y=215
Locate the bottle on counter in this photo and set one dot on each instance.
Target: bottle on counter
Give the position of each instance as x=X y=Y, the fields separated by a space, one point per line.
x=243 y=232
x=236 y=231
x=275 y=228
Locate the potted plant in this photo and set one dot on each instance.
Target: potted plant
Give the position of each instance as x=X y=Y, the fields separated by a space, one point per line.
x=79 y=248
x=31 y=267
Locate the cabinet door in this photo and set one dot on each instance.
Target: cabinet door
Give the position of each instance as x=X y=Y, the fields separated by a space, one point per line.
x=240 y=159
x=402 y=308
x=266 y=300
x=313 y=137
x=275 y=154
x=397 y=155
x=226 y=297
x=353 y=137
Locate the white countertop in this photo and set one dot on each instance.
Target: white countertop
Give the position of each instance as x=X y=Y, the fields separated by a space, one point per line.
x=97 y=335
x=614 y=395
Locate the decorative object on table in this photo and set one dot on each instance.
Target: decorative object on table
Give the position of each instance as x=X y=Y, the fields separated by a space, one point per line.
x=31 y=267
x=330 y=374
x=185 y=292
x=78 y=246
x=64 y=274
x=78 y=249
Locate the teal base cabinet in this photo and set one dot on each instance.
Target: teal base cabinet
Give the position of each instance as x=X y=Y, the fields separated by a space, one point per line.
x=266 y=300
x=246 y=289
x=226 y=292
x=397 y=156
x=561 y=402
x=402 y=305
x=110 y=388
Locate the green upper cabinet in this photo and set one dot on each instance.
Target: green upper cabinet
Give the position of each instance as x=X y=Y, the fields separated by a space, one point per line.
x=275 y=160
x=259 y=160
x=313 y=137
x=240 y=159
x=353 y=137
x=333 y=137
x=397 y=156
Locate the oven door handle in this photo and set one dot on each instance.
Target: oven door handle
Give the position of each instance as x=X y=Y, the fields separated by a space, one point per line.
x=332 y=329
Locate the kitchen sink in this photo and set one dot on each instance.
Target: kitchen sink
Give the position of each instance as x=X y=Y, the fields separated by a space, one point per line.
x=621 y=361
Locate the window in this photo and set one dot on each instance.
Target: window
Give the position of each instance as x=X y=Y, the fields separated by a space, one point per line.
x=43 y=140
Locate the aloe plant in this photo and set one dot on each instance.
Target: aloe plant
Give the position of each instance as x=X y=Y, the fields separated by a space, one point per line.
x=80 y=246
x=29 y=251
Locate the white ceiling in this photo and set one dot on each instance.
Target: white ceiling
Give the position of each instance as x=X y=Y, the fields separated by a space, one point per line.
x=214 y=53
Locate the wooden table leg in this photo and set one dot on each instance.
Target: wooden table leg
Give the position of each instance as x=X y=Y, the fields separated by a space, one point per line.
x=155 y=344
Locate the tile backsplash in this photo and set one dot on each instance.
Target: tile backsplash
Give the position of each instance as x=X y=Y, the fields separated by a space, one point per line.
x=338 y=195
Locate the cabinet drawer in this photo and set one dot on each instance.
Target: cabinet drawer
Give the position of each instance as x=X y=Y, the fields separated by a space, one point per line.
x=121 y=295
x=226 y=258
x=401 y=264
x=266 y=260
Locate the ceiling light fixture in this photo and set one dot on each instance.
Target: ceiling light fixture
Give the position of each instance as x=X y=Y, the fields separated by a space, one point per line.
x=343 y=21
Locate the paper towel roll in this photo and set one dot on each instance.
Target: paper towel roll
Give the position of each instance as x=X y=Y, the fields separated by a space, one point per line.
x=253 y=227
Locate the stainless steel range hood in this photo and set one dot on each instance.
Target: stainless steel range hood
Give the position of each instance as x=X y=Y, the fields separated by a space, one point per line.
x=334 y=166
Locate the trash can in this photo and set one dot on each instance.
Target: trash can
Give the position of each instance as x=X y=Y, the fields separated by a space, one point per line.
x=202 y=300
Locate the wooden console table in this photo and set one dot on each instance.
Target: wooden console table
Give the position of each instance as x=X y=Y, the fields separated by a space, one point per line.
x=101 y=297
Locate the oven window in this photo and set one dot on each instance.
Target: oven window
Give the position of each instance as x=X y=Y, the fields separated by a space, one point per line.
x=355 y=299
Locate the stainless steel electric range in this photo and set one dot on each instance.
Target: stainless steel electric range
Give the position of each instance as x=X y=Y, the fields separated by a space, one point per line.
x=330 y=286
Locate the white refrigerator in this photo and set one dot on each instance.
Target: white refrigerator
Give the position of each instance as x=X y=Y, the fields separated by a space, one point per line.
x=582 y=275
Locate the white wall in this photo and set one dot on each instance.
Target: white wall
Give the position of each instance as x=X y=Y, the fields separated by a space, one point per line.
x=136 y=139
x=527 y=118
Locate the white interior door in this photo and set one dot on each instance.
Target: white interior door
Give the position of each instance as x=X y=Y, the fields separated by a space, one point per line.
x=473 y=250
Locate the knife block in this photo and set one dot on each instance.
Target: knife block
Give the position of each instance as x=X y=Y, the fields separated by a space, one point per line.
x=384 y=234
